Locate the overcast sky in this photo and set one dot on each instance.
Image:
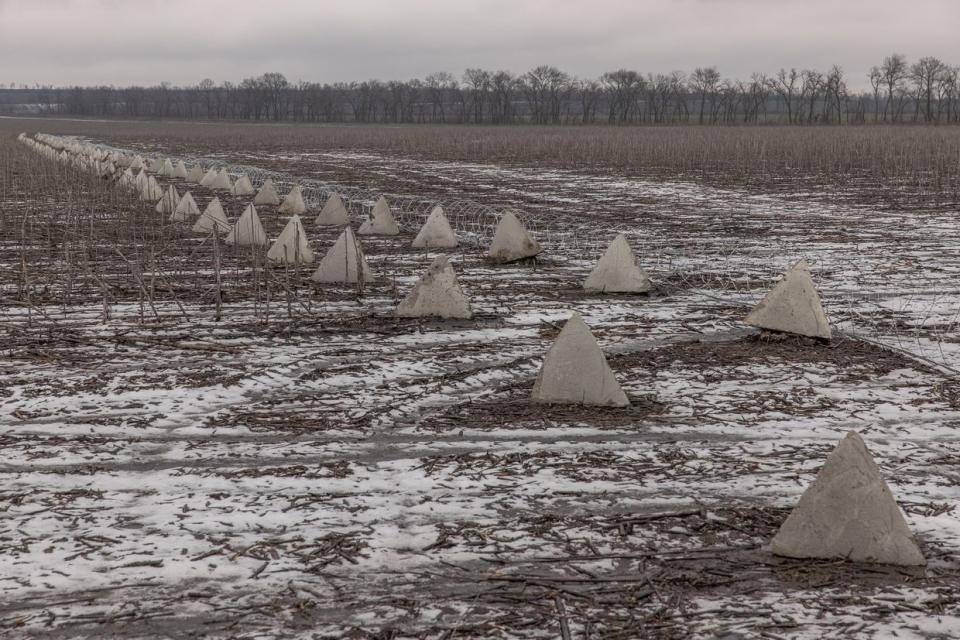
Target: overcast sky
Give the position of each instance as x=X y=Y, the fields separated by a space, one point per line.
x=123 y=42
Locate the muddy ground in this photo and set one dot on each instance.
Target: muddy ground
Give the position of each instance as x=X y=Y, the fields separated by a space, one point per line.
x=313 y=467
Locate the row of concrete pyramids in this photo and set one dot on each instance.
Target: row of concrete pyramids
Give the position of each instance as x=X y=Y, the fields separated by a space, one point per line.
x=792 y=306
x=848 y=512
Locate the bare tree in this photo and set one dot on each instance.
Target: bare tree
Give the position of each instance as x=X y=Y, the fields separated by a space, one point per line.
x=926 y=74
x=894 y=72
x=785 y=86
x=704 y=82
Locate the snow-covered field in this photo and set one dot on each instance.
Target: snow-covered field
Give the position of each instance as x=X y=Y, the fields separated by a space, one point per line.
x=343 y=473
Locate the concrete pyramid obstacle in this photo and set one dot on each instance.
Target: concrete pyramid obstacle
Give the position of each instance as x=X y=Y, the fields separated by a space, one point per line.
x=267 y=194
x=333 y=212
x=151 y=191
x=212 y=217
x=617 y=271
x=575 y=371
x=248 y=231
x=209 y=177
x=180 y=171
x=293 y=203
x=156 y=166
x=435 y=232
x=437 y=293
x=169 y=202
x=344 y=262
x=222 y=182
x=511 y=241
x=137 y=163
x=166 y=169
x=792 y=306
x=381 y=222
x=127 y=180
x=141 y=181
x=195 y=175
x=186 y=209
x=291 y=246
x=848 y=512
x=243 y=187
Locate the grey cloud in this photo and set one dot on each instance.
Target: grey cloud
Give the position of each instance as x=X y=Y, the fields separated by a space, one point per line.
x=184 y=41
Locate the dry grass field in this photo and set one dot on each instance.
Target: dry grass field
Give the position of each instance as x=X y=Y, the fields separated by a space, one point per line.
x=268 y=457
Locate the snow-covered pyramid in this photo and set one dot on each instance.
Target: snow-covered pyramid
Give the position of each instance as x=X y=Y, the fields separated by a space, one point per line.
x=166 y=169
x=511 y=241
x=243 y=187
x=848 y=512
x=575 y=371
x=180 y=171
x=222 y=182
x=344 y=262
x=437 y=293
x=169 y=202
x=209 y=178
x=333 y=212
x=291 y=246
x=435 y=232
x=617 y=271
x=248 y=231
x=195 y=175
x=792 y=306
x=186 y=210
x=267 y=194
x=293 y=203
x=212 y=216
x=381 y=222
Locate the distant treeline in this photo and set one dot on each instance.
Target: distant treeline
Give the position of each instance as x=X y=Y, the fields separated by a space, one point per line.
x=927 y=91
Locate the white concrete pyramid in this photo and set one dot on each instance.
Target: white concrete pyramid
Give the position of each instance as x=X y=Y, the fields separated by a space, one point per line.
x=195 y=175
x=169 y=202
x=166 y=169
x=291 y=245
x=381 y=222
x=511 y=240
x=848 y=512
x=293 y=203
x=180 y=171
x=267 y=195
x=575 y=371
x=247 y=231
x=437 y=293
x=152 y=191
x=186 y=210
x=333 y=212
x=435 y=232
x=792 y=306
x=212 y=216
x=222 y=182
x=617 y=271
x=137 y=163
x=156 y=166
x=209 y=177
x=344 y=262
x=243 y=187
x=141 y=180
x=127 y=180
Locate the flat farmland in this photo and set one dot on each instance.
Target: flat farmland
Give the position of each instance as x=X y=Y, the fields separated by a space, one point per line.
x=275 y=458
